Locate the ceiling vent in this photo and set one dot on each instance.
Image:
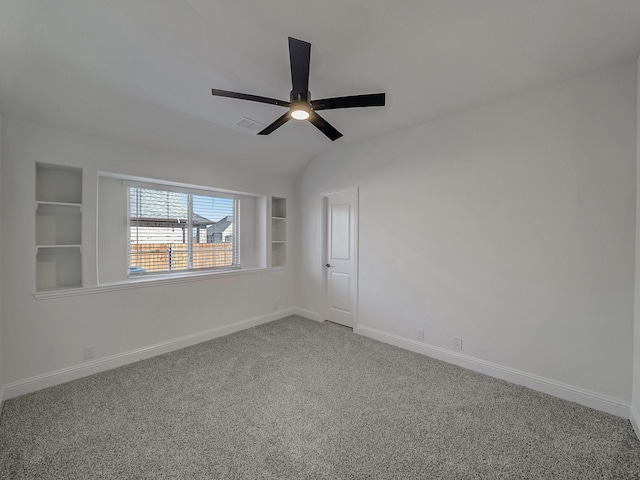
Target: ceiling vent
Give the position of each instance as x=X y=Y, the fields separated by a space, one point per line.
x=249 y=125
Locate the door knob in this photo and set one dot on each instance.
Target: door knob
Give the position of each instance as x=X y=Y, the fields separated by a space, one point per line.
x=328 y=265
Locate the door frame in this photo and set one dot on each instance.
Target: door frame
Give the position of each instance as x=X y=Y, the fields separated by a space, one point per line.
x=324 y=232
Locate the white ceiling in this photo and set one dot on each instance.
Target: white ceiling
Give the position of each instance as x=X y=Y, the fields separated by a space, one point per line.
x=141 y=71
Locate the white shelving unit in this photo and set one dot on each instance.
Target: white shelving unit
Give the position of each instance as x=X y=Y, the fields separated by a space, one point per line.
x=58 y=227
x=278 y=232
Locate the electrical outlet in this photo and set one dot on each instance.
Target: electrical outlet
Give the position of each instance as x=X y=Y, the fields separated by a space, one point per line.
x=89 y=351
x=457 y=343
x=420 y=334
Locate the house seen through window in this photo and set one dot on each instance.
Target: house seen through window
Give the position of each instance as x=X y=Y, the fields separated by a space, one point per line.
x=173 y=231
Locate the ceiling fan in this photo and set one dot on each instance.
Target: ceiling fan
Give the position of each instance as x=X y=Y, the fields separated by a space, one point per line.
x=300 y=106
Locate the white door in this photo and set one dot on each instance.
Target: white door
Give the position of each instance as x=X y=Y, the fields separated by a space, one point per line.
x=340 y=266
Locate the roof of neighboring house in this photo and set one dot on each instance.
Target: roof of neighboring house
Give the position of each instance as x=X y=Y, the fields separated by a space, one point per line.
x=220 y=226
x=161 y=207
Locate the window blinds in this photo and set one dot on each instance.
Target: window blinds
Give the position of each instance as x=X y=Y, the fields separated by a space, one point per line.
x=173 y=231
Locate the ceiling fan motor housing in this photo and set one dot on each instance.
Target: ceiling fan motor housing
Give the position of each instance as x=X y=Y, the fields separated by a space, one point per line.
x=299 y=97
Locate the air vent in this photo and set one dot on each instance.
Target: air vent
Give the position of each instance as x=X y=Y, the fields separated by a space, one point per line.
x=250 y=125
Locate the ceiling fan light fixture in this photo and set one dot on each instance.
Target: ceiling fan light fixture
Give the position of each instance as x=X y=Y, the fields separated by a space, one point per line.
x=299 y=106
x=300 y=111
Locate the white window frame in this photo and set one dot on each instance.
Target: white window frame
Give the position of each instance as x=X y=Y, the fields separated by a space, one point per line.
x=189 y=191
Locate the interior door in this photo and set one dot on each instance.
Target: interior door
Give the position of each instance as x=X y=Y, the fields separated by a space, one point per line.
x=340 y=266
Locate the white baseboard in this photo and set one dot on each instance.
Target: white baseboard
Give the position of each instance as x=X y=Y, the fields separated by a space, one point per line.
x=635 y=421
x=578 y=395
x=307 y=314
x=28 y=385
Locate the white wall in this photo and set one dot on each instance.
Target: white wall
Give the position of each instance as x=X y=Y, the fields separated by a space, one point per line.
x=42 y=336
x=515 y=226
x=635 y=404
x=1 y=279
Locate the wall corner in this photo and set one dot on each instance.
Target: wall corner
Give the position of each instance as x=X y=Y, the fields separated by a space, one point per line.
x=634 y=413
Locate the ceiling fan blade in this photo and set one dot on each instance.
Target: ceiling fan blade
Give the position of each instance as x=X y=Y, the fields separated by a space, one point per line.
x=299 y=57
x=277 y=124
x=367 y=100
x=324 y=126
x=252 y=98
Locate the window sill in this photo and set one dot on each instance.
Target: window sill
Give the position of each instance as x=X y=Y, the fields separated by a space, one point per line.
x=151 y=281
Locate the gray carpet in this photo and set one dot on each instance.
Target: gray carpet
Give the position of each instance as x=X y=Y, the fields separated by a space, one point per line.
x=297 y=399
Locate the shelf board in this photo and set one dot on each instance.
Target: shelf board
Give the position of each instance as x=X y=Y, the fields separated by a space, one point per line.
x=278 y=218
x=281 y=242
x=47 y=204
x=58 y=247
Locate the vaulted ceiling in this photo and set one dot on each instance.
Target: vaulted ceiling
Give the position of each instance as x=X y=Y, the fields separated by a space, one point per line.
x=141 y=71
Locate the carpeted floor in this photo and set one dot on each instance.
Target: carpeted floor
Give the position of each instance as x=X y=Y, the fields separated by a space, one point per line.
x=297 y=399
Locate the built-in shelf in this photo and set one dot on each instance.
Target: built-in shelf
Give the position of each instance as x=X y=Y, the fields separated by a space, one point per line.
x=278 y=207
x=40 y=204
x=58 y=184
x=45 y=247
x=58 y=223
x=278 y=255
x=58 y=227
x=278 y=232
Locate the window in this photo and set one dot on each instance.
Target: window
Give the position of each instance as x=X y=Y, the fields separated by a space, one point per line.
x=176 y=230
x=201 y=230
